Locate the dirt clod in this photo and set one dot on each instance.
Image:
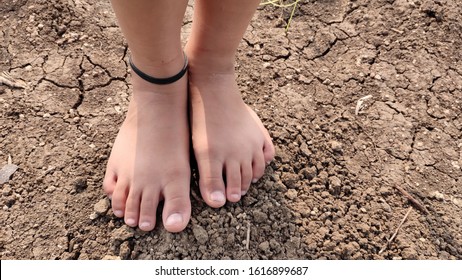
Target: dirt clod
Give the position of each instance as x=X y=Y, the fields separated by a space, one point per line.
x=124 y=251
x=80 y=184
x=200 y=234
x=102 y=206
x=259 y=216
x=123 y=233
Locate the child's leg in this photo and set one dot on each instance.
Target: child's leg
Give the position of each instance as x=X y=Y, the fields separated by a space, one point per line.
x=150 y=157
x=229 y=139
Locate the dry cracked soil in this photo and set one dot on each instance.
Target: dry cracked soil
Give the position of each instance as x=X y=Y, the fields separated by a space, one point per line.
x=344 y=176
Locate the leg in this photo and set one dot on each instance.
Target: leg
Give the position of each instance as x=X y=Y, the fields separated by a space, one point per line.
x=150 y=157
x=229 y=139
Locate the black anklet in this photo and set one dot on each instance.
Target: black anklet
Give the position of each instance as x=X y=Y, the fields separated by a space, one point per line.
x=160 y=81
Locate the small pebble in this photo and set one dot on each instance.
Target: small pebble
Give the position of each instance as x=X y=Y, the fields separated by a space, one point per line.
x=264 y=246
x=456 y=201
x=6 y=191
x=437 y=195
x=50 y=189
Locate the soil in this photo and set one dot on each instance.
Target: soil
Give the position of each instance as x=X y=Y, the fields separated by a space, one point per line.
x=335 y=189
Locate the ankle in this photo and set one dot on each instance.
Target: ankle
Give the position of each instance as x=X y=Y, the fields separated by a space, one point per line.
x=160 y=66
x=207 y=61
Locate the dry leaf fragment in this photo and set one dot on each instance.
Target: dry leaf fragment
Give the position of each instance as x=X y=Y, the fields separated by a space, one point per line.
x=6 y=172
x=6 y=79
x=360 y=103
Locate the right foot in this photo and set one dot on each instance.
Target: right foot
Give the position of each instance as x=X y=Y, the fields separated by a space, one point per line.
x=150 y=157
x=230 y=143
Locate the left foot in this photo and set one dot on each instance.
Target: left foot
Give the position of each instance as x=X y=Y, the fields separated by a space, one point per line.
x=149 y=161
x=230 y=143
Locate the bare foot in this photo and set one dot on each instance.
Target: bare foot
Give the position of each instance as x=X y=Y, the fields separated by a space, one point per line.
x=230 y=142
x=150 y=158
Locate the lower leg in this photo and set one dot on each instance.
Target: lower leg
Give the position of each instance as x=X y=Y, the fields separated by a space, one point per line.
x=218 y=28
x=150 y=157
x=152 y=30
x=229 y=139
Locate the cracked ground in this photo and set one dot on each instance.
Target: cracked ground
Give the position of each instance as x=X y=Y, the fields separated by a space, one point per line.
x=343 y=178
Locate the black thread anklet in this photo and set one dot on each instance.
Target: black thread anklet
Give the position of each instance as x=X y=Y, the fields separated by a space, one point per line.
x=160 y=81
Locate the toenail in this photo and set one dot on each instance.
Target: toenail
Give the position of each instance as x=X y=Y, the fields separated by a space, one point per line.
x=130 y=222
x=268 y=162
x=217 y=196
x=235 y=196
x=118 y=213
x=174 y=219
x=145 y=225
x=243 y=193
x=254 y=180
x=109 y=196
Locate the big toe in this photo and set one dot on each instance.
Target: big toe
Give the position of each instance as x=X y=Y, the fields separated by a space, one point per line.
x=177 y=206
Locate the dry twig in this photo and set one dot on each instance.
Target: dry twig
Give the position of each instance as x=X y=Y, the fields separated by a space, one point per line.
x=195 y=196
x=414 y=201
x=396 y=231
x=247 y=243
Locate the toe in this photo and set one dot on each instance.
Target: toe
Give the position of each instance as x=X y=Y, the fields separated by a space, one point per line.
x=233 y=181
x=177 y=206
x=246 y=176
x=109 y=183
x=268 y=148
x=211 y=183
x=258 y=166
x=132 y=208
x=148 y=207
x=119 y=198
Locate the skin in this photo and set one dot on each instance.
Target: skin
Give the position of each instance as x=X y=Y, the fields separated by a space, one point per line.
x=149 y=161
x=228 y=138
